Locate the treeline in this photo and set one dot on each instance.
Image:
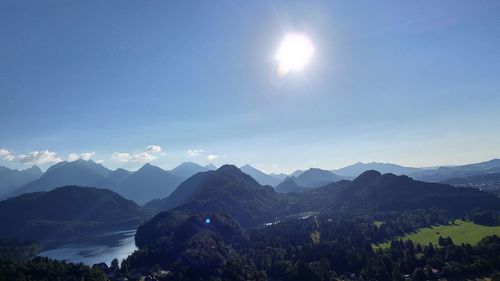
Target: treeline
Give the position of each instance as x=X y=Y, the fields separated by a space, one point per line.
x=46 y=269
x=430 y=262
x=18 y=251
x=353 y=226
x=485 y=217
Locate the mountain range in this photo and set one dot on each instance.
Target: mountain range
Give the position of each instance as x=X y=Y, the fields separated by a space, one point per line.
x=151 y=182
x=311 y=178
x=388 y=192
x=143 y=185
x=228 y=190
x=79 y=172
x=357 y=169
x=482 y=181
x=443 y=173
x=10 y=180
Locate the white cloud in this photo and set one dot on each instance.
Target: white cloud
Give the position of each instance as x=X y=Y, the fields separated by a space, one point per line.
x=143 y=157
x=4 y=152
x=151 y=153
x=193 y=152
x=84 y=156
x=39 y=157
x=212 y=157
x=9 y=157
x=153 y=148
x=6 y=155
x=100 y=161
x=121 y=156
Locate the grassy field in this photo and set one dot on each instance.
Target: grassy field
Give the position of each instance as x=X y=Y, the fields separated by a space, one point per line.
x=460 y=232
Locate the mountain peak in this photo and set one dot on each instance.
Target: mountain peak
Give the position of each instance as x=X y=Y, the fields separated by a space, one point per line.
x=289 y=185
x=188 y=164
x=315 y=177
x=367 y=177
x=35 y=168
x=83 y=161
x=149 y=182
x=146 y=166
x=228 y=168
x=316 y=170
x=259 y=176
x=149 y=167
x=187 y=169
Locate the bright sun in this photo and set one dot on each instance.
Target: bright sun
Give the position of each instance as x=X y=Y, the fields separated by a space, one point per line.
x=294 y=53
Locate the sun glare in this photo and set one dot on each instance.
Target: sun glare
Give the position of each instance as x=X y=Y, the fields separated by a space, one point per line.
x=294 y=52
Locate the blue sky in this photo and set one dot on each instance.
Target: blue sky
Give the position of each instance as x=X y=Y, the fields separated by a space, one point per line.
x=409 y=82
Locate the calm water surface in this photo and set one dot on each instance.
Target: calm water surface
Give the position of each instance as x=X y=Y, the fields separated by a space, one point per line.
x=93 y=249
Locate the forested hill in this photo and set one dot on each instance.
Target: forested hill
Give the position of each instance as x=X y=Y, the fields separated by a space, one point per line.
x=227 y=190
x=377 y=192
x=70 y=210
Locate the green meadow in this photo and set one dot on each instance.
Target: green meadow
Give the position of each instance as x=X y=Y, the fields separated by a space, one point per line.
x=460 y=232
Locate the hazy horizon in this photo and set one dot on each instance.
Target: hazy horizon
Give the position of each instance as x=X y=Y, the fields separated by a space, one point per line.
x=135 y=168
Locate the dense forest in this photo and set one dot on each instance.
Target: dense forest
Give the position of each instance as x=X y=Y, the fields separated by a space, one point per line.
x=327 y=246
x=48 y=269
x=226 y=226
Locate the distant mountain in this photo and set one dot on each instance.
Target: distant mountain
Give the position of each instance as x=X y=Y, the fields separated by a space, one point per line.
x=79 y=172
x=260 y=176
x=10 y=179
x=148 y=183
x=316 y=177
x=210 y=167
x=296 y=173
x=289 y=185
x=374 y=191
x=187 y=169
x=279 y=176
x=64 y=211
x=358 y=168
x=119 y=175
x=226 y=190
x=89 y=164
x=485 y=181
x=486 y=165
x=443 y=173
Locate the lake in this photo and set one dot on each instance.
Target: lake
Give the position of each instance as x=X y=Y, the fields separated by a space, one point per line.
x=93 y=249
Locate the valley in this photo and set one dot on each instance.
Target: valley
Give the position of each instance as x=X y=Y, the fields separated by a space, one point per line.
x=267 y=140
x=216 y=221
